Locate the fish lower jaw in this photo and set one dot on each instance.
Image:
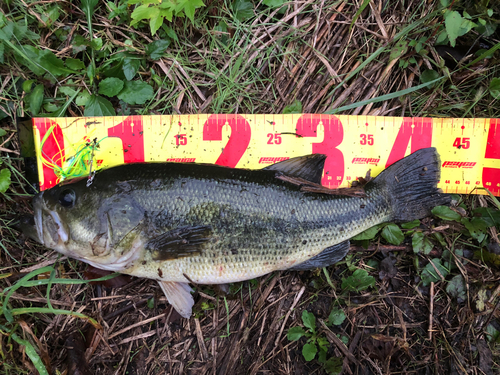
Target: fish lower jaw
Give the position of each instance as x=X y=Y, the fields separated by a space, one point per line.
x=117 y=264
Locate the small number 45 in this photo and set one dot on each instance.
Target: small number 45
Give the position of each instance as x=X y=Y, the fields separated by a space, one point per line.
x=462 y=143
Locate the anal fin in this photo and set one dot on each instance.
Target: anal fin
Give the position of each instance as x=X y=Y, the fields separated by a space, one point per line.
x=327 y=257
x=179 y=296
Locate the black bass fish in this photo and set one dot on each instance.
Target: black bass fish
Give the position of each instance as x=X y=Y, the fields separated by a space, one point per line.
x=192 y=223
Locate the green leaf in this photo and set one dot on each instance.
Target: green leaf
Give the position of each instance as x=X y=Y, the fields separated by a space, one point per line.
x=476 y=227
x=466 y=26
x=50 y=16
x=96 y=43
x=492 y=333
x=2 y=133
x=490 y=215
x=429 y=273
x=309 y=351
x=322 y=354
x=151 y=303
x=110 y=86
x=50 y=107
x=456 y=288
x=30 y=56
x=446 y=213
x=453 y=21
x=495 y=88
x=82 y=98
x=323 y=344
x=130 y=67
x=309 y=320
x=156 y=49
x=367 y=234
x=67 y=90
x=53 y=64
x=295 y=107
x=190 y=6
x=144 y=12
x=4 y=180
x=274 y=3
x=399 y=49
x=32 y=354
x=27 y=85
x=421 y=243
x=91 y=72
x=75 y=64
x=411 y=224
x=79 y=44
x=429 y=75
x=360 y=280
x=170 y=33
x=336 y=317
x=392 y=234
x=98 y=106
x=88 y=7
x=36 y=99
x=155 y=23
x=136 y=92
x=7 y=31
x=243 y=10
x=295 y=333
x=333 y=366
x=2 y=49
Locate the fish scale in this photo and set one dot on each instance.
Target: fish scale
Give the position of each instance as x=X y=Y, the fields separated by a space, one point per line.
x=181 y=223
x=276 y=238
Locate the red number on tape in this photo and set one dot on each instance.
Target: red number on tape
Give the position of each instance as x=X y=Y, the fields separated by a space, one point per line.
x=180 y=139
x=307 y=126
x=491 y=176
x=418 y=130
x=238 y=141
x=274 y=139
x=366 y=139
x=462 y=143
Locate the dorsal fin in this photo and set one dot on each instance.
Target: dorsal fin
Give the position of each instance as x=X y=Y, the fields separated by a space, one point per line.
x=309 y=167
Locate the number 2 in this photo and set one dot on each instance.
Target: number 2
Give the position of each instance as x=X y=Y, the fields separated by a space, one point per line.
x=366 y=139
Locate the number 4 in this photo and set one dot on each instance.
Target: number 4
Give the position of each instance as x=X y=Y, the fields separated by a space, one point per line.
x=462 y=143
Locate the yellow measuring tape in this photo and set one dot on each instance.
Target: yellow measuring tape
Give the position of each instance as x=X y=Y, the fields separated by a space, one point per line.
x=469 y=148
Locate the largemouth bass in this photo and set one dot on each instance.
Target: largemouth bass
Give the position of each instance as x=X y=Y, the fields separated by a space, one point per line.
x=191 y=223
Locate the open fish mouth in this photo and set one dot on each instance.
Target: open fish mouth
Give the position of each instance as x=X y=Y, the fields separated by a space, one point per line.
x=55 y=230
x=37 y=206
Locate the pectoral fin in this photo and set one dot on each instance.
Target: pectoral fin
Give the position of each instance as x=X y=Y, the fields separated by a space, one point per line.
x=179 y=296
x=327 y=257
x=179 y=243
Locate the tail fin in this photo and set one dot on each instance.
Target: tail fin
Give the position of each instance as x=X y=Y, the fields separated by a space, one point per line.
x=412 y=185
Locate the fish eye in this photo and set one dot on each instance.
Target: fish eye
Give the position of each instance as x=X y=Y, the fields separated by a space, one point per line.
x=67 y=198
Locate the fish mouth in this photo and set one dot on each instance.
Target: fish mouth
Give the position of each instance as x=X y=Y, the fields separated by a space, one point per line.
x=56 y=233
x=117 y=264
x=37 y=207
x=26 y=224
